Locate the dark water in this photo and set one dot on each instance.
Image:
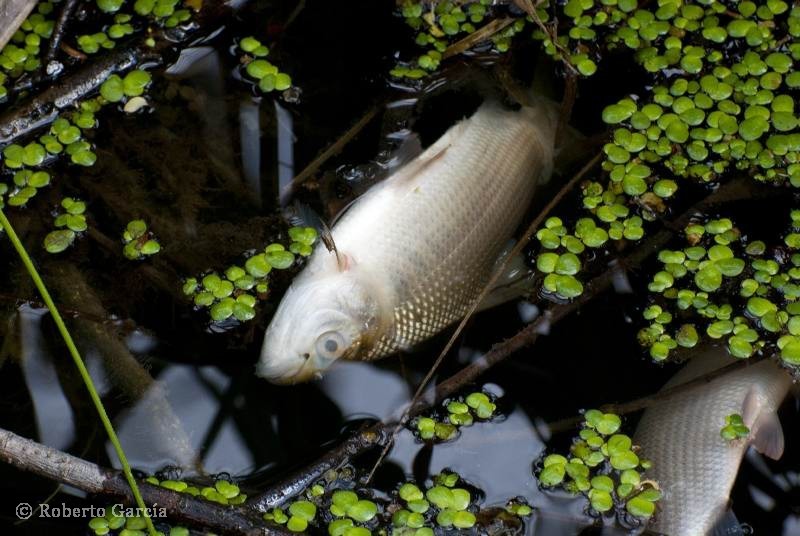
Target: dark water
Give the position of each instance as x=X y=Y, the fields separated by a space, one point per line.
x=205 y=168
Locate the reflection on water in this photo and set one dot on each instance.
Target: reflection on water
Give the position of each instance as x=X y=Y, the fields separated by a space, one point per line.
x=54 y=419
x=193 y=396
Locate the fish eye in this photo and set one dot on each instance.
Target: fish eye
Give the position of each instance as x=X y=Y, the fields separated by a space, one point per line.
x=331 y=345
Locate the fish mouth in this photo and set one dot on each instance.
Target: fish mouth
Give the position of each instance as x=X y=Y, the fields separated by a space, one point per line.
x=287 y=375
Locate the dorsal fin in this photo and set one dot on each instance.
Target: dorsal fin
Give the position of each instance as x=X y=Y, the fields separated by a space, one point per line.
x=422 y=162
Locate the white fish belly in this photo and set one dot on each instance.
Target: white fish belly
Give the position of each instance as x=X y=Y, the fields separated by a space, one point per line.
x=431 y=233
x=694 y=465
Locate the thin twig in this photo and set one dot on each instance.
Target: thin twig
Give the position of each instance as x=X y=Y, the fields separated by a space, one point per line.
x=518 y=247
x=53 y=464
x=58 y=33
x=530 y=9
x=328 y=153
x=478 y=36
x=661 y=396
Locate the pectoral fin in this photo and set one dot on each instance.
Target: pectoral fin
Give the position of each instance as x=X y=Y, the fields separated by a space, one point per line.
x=768 y=438
x=767 y=433
x=515 y=282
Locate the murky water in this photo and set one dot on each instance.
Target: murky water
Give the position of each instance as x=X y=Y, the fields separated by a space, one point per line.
x=206 y=169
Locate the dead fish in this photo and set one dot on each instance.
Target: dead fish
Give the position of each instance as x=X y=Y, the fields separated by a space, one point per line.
x=694 y=465
x=12 y=14
x=415 y=250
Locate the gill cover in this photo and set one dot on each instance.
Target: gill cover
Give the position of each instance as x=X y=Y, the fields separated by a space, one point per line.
x=326 y=315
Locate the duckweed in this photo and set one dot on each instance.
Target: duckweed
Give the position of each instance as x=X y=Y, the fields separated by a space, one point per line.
x=444 y=23
x=727 y=288
x=118 y=89
x=604 y=467
x=234 y=294
x=139 y=241
x=267 y=76
x=734 y=428
x=69 y=224
x=460 y=412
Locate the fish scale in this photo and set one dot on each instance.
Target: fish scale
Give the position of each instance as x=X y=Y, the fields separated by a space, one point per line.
x=681 y=436
x=414 y=252
x=439 y=239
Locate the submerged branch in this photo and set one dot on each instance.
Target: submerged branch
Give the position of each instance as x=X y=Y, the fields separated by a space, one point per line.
x=125 y=371
x=58 y=34
x=43 y=108
x=59 y=466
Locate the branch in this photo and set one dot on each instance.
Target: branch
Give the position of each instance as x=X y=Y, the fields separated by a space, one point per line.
x=42 y=109
x=661 y=396
x=58 y=34
x=362 y=441
x=33 y=457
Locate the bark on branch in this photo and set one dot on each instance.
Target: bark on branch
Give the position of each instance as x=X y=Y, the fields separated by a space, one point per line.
x=39 y=459
x=41 y=109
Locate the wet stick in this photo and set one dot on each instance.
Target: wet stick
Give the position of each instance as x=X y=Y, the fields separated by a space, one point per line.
x=76 y=356
x=33 y=457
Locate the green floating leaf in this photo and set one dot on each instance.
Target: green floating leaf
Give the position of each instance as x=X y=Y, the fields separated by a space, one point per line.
x=58 y=241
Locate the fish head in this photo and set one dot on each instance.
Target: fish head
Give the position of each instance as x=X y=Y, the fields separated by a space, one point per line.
x=319 y=321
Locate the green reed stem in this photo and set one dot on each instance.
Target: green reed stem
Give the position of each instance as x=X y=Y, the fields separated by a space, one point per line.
x=76 y=356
